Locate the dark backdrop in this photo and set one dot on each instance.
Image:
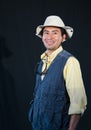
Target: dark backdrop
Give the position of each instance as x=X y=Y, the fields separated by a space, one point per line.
x=20 y=49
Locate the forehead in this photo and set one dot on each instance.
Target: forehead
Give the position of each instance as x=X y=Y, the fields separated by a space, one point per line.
x=48 y=28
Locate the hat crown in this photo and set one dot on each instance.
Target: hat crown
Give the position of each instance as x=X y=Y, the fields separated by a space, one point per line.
x=54 y=21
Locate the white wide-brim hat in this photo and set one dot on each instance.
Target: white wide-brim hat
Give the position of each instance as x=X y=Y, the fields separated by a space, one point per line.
x=55 y=21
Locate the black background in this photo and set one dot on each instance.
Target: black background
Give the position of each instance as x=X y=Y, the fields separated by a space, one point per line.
x=20 y=49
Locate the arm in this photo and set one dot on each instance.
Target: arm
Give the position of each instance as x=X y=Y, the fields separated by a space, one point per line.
x=76 y=91
x=74 y=121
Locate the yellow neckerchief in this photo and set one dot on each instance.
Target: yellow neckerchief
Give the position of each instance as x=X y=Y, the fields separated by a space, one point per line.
x=49 y=58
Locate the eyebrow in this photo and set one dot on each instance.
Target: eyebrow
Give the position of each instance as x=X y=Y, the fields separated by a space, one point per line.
x=48 y=30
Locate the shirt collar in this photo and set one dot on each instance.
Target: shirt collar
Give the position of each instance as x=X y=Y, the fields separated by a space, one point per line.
x=51 y=56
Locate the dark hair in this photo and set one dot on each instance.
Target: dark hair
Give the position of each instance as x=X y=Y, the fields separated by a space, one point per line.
x=63 y=32
x=41 y=33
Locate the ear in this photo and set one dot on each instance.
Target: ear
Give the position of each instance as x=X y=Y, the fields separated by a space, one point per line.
x=64 y=37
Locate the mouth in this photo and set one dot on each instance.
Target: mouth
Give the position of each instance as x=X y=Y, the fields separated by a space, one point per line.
x=50 y=42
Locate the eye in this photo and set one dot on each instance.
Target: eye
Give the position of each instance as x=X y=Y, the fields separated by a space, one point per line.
x=45 y=32
x=55 y=33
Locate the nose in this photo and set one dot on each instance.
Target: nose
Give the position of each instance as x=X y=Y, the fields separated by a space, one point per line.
x=50 y=36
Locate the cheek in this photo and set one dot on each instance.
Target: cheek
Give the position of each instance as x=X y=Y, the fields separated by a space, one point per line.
x=58 y=40
x=43 y=39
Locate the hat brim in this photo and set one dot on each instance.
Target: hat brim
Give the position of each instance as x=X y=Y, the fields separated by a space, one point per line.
x=68 y=29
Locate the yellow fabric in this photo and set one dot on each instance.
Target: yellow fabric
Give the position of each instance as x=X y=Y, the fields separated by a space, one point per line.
x=74 y=82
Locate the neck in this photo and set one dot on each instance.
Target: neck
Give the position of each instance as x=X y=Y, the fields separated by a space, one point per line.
x=50 y=51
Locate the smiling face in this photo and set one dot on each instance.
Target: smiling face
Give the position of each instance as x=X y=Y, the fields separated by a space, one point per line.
x=52 y=38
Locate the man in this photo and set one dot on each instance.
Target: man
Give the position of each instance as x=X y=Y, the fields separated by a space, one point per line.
x=59 y=96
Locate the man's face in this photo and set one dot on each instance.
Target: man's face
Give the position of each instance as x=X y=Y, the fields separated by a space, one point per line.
x=52 y=38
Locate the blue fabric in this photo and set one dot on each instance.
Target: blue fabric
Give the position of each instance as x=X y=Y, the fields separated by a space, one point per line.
x=49 y=110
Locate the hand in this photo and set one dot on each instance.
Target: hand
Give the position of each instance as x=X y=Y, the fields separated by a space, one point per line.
x=70 y=129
